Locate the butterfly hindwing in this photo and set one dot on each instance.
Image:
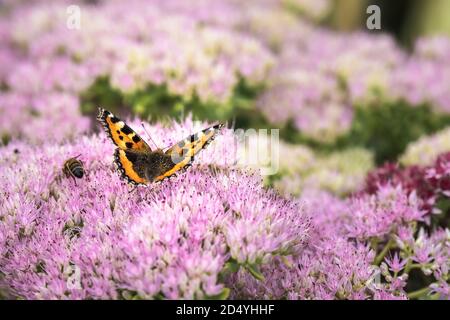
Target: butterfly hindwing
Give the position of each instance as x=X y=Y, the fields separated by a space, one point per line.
x=127 y=163
x=122 y=135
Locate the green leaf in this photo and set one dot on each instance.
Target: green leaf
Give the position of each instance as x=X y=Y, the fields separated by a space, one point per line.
x=232 y=266
x=387 y=128
x=286 y=261
x=255 y=272
x=223 y=295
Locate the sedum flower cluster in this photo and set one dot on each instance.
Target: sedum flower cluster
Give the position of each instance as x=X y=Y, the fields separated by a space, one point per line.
x=364 y=247
x=425 y=151
x=320 y=79
x=430 y=183
x=96 y=238
x=50 y=60
x=340 y=172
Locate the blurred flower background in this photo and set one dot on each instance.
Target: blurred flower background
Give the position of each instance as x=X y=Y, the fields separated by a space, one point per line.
x=357 y=208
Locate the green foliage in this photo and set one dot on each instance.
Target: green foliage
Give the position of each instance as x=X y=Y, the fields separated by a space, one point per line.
x=388 y=128
x=156 y=102
x=4 y=139
x=442 y=220
x=290 y=134
x=223 y=295
x=385 y=128
x=255 y=272
x=231 y=266
x=101 y=94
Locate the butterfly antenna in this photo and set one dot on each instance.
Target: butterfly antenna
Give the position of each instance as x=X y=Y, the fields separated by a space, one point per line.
x=142 y=124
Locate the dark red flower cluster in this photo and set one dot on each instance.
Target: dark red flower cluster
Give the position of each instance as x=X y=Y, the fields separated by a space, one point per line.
x=438 y=176
x=430 y=183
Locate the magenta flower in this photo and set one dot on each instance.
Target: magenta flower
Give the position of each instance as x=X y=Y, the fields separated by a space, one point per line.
x=423 y=77
x=97 y=238
x=321 y=77
x=380 y=214
x=442 y=289
x=42 y=57
x=395 y=263
x=429 y=184
x=352 y=252
x=214 y=231
x=331 y=266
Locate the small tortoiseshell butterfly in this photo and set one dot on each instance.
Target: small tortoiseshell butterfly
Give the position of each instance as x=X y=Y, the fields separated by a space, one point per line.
x=138 y=163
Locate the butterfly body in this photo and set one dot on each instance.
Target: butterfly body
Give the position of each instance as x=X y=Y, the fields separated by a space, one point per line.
x=148 y=165
x=139 y=164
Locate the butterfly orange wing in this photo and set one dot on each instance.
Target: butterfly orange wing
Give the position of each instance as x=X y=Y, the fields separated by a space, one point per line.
x=121 y=134
x=124 y=160
x=128 y=142
x=183 y=153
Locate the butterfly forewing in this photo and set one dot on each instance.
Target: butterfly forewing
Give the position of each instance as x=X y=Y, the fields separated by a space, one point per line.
x=121 y=134
x=183 y=153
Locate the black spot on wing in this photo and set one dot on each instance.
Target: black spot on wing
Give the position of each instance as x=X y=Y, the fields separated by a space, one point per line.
x=126 y=129
x=136 y=139
x=121 y=137
x=129 y=145
x=114 y=119
x=131 y=156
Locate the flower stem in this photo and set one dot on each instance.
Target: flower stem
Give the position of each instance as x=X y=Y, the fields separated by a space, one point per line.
x=418 y=293
x=374 y=243
x=411 y=266
x=383 y=252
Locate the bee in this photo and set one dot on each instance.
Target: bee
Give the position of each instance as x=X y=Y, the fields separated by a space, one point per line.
x=73 y=167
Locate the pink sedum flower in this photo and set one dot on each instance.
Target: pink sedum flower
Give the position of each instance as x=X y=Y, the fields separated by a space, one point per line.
x=379 y=214
x=95 y=238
